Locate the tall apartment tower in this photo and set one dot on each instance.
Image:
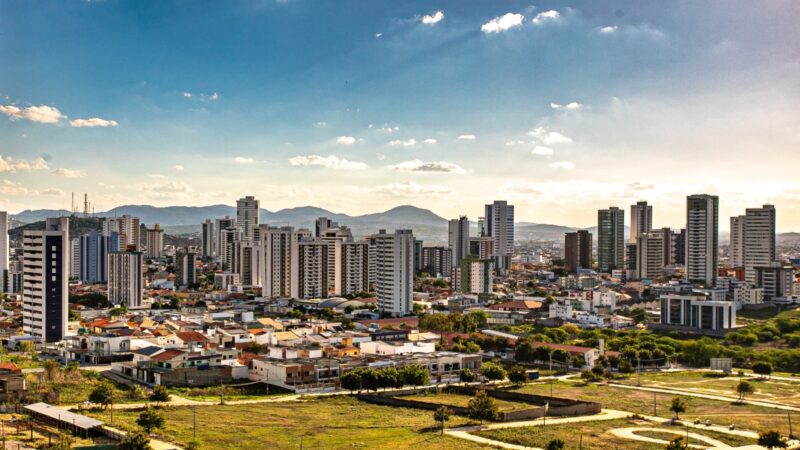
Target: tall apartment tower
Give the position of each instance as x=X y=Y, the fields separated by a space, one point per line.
x=668 y=237
x=458 y=239
x=126 y=278
x=679 y=239
x=474 y=276
x=128 y=228
x=437 y=261
x=610 y=239
x=394 y=261
x=499 y=223
x=351 y=269
x=322 y=224
x=312 y=276
x=4 y=277
x=481 y=247
x=577 y=250
x=221 y=225
x=280 y=267
x=650 y=255
x=753 y=240
x=208 y=237
x=333 y=235
x=155 y=242
x=228 y=238
x=702 y=238
x=45 y=257
x=246 y=262
x=641 y=220
x=93 y=251
x=185 y=268
x=247 y=209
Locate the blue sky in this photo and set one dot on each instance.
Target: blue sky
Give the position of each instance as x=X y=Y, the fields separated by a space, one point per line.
x=359 y=106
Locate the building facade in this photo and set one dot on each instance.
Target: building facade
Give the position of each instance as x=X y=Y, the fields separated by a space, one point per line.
x=702 y=239
x=499 y=223
x=126 y=278
x=610 y=239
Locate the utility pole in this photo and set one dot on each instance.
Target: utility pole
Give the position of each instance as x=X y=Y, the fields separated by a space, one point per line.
x=194 y=422
x=654 y=404
x=791 y=434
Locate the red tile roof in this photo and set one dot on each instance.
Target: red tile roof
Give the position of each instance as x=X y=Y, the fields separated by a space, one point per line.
x=191 y=336
x=166 y=355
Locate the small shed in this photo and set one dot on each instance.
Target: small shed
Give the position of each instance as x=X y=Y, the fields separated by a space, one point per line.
x=63 y=419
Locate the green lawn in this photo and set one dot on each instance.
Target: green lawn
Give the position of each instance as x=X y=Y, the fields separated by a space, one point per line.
x=463 y=401
x=323 y=423
x=754 y=418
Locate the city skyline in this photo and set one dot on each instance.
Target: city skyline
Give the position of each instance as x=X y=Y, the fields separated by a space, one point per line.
x=559 y=110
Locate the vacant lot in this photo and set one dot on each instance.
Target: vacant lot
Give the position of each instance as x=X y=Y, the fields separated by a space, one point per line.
x=463 y=401
x=755 y=418
x=325 y=423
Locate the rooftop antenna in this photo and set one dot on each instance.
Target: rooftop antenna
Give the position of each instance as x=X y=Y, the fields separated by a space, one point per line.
x=72 y=207
x=85 y=205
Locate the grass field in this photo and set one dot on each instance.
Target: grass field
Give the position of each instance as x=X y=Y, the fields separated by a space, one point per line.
x=755 y=418
x=463 y=401
x=597 y=435
x=323 y=423
x=787 y=392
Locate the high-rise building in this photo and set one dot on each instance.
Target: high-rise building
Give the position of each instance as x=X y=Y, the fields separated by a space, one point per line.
x=128 y=228
x=247 y=209
x=333 y=235
x=4 y=267
x=698 y=312
x=641 y=220
x=458 y=239
x=437 y=261
x=227 y=239
x=208 y=235
x=322 y=224
x=220 y=225
x=246 y=262
x=45 y=257
x=126 y=278
x=577 y=250
x=394 y=266
x=474 y=276
x=93 y=251
x=753 y=240
x=351 y=268
x=280 y=267
x=776 y=279
x=481 y=247
x=702 y=238
x=499 y=222
x=155 y=242
x=185 y=268
x=610 y=239
x=650 y=255
x=668 y=237
x=74 y=258
x=679 y=239
x=418 y=262
x=312 y=276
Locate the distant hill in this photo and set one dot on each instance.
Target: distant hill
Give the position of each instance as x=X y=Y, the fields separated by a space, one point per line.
x=78 y=226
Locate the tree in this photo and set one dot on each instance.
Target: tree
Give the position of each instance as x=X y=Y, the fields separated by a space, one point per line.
x=764 y=369
x=677 y=406
x=150 y=419
x=772 y=439
x=466 y=376
x=590 y=376
x=351 y=380
x=442 y=415
x=136 y=440
x=482 y=407
x=677 y=444
x=518 y=374
x=744 y=388
x=555 y=444
x=415 y=375
x=160 y=394
x=102 y=394
x=493 y=371
x=192 y=445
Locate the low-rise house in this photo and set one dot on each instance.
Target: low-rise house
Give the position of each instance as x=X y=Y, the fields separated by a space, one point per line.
x=13 y=384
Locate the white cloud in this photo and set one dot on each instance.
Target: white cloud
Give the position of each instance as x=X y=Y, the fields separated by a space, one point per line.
x=320 y=124
x=243 y=160
x=388 y=129
x=513 y=143
x=12 y=165
x=380 y=156
x=549 y=137
x=410 y=188
x=214 y=96
x=608 y=29
x=93 y=122
x=179 y=168
x=541 y=150
x=68 y=173
x=430 y=141
x=53 y=191
x=187 y=95
x=572 y=106
x=546 y=16
x=199 y=96
x=503 y=23
x=168 y=189
x=562 y=165
x=466 y=137
x=8 y=187
x=157 y=176
x=378 y=35
x=345 y=140
x=408 y=143
x=40 y=114
x=331 y=162
x=433 y=19
x=418 y=166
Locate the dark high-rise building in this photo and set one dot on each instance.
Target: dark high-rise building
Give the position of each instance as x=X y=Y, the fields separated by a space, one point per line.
x=610 y=239
x=578 y=250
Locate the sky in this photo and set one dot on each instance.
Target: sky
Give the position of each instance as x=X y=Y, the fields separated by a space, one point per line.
x=561 y=108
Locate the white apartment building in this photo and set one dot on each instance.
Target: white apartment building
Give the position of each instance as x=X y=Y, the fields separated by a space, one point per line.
x=4 y=277
x=753 y=240
x=220 y=225
x=246 y=262
x=312 y=277
x=458 y=239
x=128 y=228
x=695 y=311
x=247 y=210
x=45 y=292
x=641 y=220
x=702 y=238
x=280 y=266
x=474 y=276
x=227 y=239
x=351 y=268
x=209 y=239
x=394 y=271
x=126 y=278
x=650 y=255
x=155 y=242
x=499 y=223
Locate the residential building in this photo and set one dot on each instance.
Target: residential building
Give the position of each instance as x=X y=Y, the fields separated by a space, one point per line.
x=185 y=268
x=128 y=228
x=93 y=251
x=351 y=270
x=321 y=226
x=499 y=222
x=458 y=239
x=220 y=225
x=74 y=258
x=247 y=210
x=474 y=276
x=394 y=269
x=280 y=266
x=333 y=236
x=45 y=257
x=736 y=247
x=702 y=238
x=4 y=267
x=679 y=241
x=126 y=278
x=312 y=276
x=246 y=262
x=610 y=239
x=641 y=220
x=227 y=240
x=650 y=255
x=437 y=261
x=208 y=237
x=577 y=250
x=155 y=242
x=753 y=240
x=776 y=279
x=481 y=247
